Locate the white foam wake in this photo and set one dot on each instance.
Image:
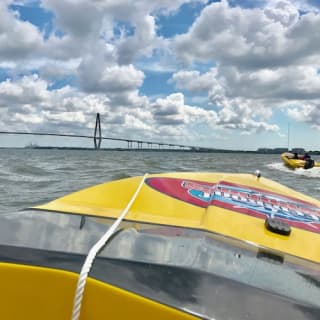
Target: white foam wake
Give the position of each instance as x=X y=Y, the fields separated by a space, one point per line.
x=310 y=173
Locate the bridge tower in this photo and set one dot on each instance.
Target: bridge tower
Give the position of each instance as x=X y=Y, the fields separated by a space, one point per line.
x=97 y=133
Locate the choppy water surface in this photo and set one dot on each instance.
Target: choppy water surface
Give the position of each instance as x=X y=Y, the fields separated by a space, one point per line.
x=33 y=176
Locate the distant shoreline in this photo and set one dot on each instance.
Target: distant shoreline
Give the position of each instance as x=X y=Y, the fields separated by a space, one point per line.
x=201 y=150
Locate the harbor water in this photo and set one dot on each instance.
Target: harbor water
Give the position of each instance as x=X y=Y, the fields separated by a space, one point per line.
x=33 y=176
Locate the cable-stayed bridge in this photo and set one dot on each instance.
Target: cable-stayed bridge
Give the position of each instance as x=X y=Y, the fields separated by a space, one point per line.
x=97 y=139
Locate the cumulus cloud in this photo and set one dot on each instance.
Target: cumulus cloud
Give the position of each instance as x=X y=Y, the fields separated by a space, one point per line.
x=28 y=89
x=86 y=24
x=239 y=64
x=29 y=102
x=18 y=39
x=288 y=83
x=52 y=70
x=195 y=82
x=264 y=61
x=173 y=111
x=141 y=41
x=251 y=38
x=309 y=113
x=109 y=79
x=78 y=18
x=234 y=108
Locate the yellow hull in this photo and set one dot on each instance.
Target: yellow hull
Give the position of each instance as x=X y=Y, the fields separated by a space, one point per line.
x=295 y=163
x=35 y=293
x=192 y=246
x=156 y=207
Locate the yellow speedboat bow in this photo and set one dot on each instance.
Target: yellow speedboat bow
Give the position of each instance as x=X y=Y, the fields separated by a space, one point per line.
x=165 y=246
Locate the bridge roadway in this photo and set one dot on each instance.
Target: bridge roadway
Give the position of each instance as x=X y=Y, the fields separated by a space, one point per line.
x=130 y=142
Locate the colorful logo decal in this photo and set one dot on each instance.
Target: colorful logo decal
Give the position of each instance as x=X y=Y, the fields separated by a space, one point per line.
x=250 y=201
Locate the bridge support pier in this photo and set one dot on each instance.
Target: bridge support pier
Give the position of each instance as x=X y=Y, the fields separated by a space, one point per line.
x=97 y=133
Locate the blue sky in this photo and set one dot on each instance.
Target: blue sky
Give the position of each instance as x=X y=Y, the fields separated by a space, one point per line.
x=220 y=74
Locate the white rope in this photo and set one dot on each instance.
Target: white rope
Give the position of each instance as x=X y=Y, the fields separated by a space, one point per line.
x=94 y=251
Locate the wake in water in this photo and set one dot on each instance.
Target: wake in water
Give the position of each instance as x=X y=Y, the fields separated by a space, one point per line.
x=310 y=173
